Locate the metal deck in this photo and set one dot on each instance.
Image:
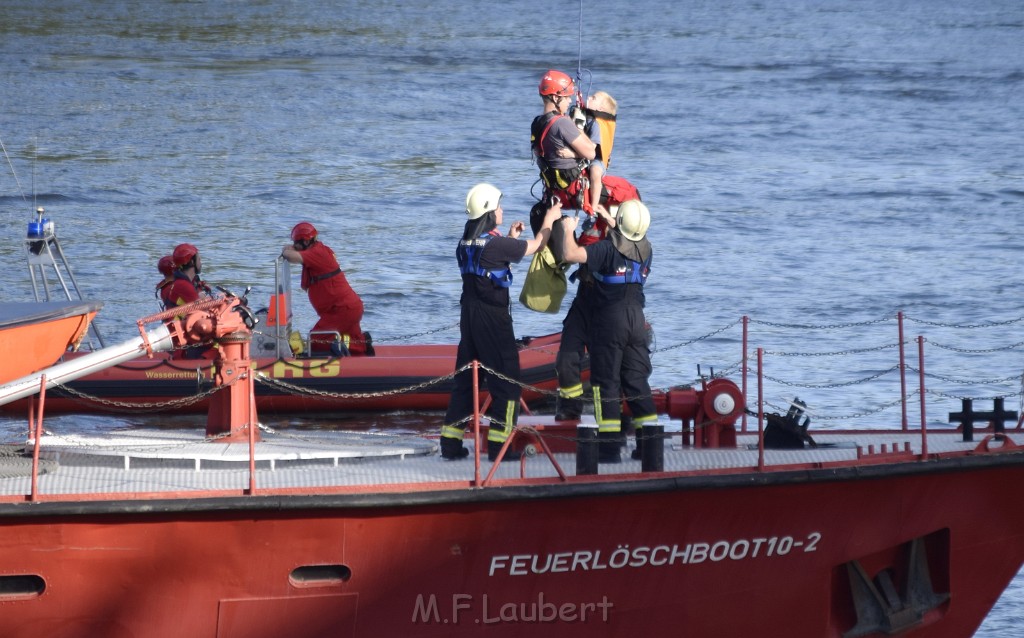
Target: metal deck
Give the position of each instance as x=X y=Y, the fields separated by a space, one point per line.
x=177 y=462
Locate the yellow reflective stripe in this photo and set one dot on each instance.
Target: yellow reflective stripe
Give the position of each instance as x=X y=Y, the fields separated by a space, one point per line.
x=650 y=419
x=452 y=432
x=598 y=412
x=603 y=424
x=499 y=431
x=498 y=435
x=571 y=392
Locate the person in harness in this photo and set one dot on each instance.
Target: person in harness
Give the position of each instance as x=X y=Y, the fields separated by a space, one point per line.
x=338 y=306
x=186 y=288
x=620 y=358
x=486 y=334
x=561 y=150
x=573 y=167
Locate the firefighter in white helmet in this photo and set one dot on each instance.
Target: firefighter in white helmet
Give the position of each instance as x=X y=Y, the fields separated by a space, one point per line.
x=620 y=357
x=486 y=334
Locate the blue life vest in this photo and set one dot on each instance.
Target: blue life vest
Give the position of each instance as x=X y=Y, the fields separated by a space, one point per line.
x=468 y=254
x=634 y=272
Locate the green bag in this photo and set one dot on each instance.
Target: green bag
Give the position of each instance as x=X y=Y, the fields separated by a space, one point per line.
x=545 y=284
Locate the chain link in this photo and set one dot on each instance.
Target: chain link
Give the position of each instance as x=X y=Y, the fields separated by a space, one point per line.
x=937 y=324
x=932 y=375
x=837 y=353
x=968 y=351
x=147 y=406
x=797 y=326
x=825 y=386
x=697 y=339
x=323 y=394
x=856 y=415
x=946 y=395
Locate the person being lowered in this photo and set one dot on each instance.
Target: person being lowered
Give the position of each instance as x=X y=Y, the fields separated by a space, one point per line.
x=572 y=148
x=340 y=309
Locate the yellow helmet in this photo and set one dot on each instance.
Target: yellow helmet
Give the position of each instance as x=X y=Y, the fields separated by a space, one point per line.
x=633 y=219
x=482 y=199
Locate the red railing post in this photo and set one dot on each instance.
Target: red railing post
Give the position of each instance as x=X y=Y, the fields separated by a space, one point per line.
x=34 y=494
x=903 y=371
x=760 y=409
x=743 y=366
x=252 y=446
x=924 y=420
x=476 y=422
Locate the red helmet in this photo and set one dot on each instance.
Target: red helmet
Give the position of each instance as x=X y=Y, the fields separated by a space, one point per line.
x=184 y=253
x=303 y=231
x=557 y=83
x=166 y=265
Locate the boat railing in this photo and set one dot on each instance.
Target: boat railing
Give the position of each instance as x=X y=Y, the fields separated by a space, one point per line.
x=770 y=368
x=881 y=386
x=869 y=455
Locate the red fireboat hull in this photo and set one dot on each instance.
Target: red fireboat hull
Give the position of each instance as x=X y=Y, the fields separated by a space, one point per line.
x=743 y=554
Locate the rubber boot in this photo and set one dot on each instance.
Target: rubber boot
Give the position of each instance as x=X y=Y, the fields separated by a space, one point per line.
x=452 y=449
x=609 y=447
x=638 y=453
x=494 y=447
x=368 y=340
x=568 y=409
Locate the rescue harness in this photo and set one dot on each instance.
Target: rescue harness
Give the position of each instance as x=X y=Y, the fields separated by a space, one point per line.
x=468 y=254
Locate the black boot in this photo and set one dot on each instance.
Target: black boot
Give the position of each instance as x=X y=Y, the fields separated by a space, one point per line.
x=568 y=409
x=638 y=453
x=368 y=340
x=494 y=447
x=609 y=447
x=452 y=449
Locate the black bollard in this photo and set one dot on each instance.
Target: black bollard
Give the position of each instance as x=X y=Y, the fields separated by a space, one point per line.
x=965 y=417
x=586 y=449
x=653 y=448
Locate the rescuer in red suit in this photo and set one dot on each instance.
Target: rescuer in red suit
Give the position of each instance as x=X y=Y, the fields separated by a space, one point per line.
x=186 y=288
x=339 y=307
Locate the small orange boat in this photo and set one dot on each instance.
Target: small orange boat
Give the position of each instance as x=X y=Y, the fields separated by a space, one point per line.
x=34 y=335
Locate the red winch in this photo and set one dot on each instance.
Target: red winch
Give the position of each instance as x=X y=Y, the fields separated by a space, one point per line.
x=708 y=414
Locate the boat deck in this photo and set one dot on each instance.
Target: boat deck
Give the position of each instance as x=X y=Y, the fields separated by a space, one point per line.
x=183 y=463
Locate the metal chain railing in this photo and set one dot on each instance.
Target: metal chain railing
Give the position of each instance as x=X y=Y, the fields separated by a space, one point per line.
x=324 y=394
x=146 y=406
x=732 y=369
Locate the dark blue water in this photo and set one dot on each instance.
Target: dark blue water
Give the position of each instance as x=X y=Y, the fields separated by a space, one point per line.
x=807 y=164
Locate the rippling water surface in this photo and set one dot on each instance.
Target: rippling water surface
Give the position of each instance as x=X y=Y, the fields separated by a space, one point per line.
x=814 y=166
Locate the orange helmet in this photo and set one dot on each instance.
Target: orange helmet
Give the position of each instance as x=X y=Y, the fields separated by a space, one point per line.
x=166 y=265
x=303 y=231
x=184 y=253
x=557 y=83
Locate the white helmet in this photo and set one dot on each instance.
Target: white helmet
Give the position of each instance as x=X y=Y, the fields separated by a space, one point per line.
x=633 y=219
x=482 y=199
